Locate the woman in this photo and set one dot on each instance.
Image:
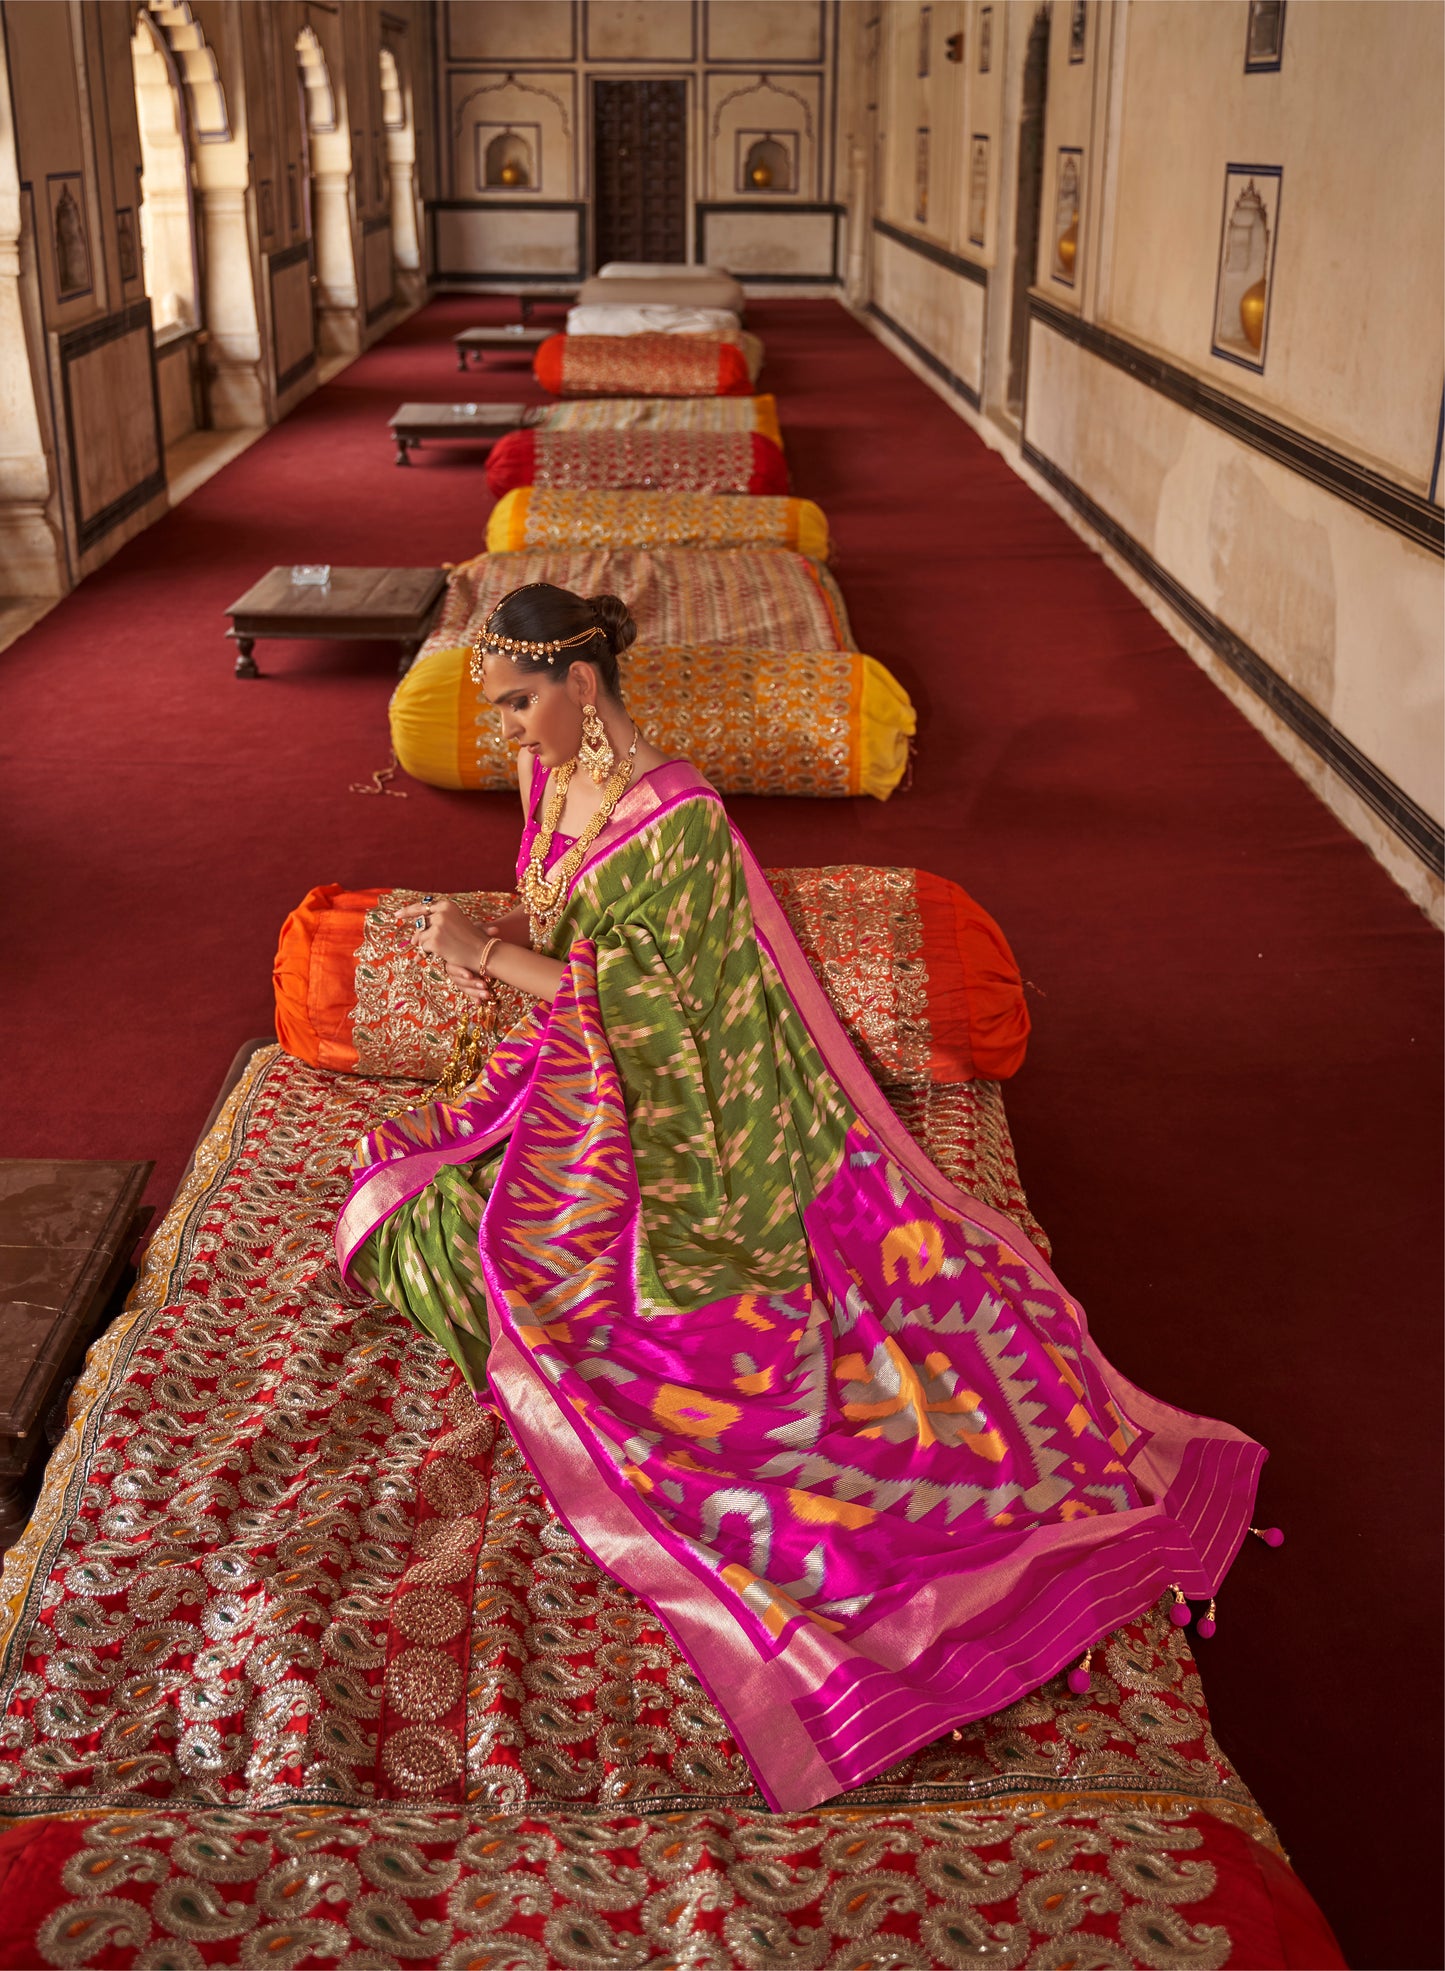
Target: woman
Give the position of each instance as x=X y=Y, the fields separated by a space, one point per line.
x=834 y=1420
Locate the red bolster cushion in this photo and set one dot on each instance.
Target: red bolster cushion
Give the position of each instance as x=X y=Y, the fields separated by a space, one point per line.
x=638 y=460
x=641 y=366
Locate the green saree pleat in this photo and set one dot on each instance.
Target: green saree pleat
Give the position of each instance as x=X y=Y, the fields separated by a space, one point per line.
x=423 y=1260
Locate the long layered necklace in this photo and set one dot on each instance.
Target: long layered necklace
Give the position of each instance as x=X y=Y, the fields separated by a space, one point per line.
x=544 y=895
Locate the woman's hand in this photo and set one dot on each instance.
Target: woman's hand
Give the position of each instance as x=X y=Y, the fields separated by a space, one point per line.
x=441 y=929
x=475 y=986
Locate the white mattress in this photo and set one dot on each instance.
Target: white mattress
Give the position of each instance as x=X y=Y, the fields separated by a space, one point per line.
x=652 y=318
x=658 y=270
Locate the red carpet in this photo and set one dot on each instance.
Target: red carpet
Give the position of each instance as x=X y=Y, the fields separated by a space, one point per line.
x=1230 y=1117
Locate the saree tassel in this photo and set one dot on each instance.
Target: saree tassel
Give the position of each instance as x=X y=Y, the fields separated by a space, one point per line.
x=1271 y=1535
x=1205 y=1626
x=1079 y=1680
x=1179 y=1614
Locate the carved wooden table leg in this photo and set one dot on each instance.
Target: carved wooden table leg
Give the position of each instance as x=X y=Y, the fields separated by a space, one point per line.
x=461 y=358
x=403 y=445
x=408 y=655
x=17 y=1502
x=246 y=666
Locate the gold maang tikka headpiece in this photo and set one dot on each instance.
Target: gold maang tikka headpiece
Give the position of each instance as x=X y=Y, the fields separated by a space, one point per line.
x=487 y=642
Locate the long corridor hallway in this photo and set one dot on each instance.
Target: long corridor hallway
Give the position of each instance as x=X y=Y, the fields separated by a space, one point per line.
x=1229 y=1118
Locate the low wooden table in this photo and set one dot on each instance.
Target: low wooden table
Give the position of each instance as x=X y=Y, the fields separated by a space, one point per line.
x=66 y=1232
x=475 y=342
x=476 y=423
x=392 y=605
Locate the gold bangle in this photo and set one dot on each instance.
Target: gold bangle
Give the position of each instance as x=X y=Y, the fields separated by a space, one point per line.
x=487 y=949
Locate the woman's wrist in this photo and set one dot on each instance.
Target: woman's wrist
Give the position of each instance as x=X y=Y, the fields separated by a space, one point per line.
x=485 y=961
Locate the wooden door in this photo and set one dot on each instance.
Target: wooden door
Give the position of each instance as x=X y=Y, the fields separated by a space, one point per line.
x=639 y=149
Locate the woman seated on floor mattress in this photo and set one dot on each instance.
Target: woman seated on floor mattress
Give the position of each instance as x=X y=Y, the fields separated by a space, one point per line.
x=833 y=1419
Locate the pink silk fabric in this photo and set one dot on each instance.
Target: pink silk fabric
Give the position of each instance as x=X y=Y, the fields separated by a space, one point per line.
x=928 y=1493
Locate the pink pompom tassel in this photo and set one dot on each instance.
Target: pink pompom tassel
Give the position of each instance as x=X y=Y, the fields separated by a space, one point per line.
x=1271 y=1535
x=1205 y=1626
x=1079 y=1680
x=1179 y=1614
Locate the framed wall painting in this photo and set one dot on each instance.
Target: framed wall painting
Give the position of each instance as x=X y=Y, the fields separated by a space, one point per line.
x=1264 y=36
x=925 y=26
x=977 y=190
x=1248 y=229
x=69 y=233
x=920 y=177
x=1078 y=29
x=985 y=40
x=1068 y=194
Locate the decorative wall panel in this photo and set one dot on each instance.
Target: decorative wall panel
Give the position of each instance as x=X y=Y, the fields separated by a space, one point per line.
x=483 y=31
x=639 y=31
x=293 y=331
x=777 y=30
x=541 y=106
x=771 y=242
x=546 y=242
x=741 y=109
x=112 y=418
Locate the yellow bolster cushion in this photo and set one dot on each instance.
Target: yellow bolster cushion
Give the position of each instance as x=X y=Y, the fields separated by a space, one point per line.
x=822 y=723
x=545 y=517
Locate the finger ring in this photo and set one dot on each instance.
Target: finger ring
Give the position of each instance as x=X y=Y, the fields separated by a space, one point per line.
x=428 y=899
x=420 y=923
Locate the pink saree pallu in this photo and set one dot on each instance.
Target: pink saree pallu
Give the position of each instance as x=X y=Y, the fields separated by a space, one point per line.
x=834 y=1420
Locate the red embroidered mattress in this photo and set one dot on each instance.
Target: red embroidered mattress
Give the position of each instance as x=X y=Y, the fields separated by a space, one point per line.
x=298 y=1668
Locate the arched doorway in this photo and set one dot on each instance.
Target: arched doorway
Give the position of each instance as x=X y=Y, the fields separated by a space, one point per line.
x=168 y=236
x=328 y=147
x=399 y=125
x=169 y=258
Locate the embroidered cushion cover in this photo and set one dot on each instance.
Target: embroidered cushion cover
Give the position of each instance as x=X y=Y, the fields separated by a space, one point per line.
x=659 y=414
x=597 y=458
x=534 y=517
x=920 y=974
x=641 y=366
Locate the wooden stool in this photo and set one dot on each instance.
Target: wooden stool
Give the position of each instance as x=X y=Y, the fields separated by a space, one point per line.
x=391 y=605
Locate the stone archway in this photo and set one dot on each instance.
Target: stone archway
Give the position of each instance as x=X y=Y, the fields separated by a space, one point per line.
x=399 y=126
x=333 y=239
x=167 y=212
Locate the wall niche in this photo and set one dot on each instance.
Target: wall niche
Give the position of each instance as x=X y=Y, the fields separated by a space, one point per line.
x=769 y=161
x=508 y=157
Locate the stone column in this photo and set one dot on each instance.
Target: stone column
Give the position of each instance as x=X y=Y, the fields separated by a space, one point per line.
x=338 y=299
x=237 y=382
x=32 y=543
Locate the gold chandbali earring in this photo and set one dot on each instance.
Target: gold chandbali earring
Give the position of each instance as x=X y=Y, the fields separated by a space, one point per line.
x=595 y=755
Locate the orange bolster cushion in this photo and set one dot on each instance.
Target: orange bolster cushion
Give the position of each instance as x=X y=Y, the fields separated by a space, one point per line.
x=641 y=366
x=920 y=975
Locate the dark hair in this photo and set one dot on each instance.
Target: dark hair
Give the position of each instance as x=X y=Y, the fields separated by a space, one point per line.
x=543 y=613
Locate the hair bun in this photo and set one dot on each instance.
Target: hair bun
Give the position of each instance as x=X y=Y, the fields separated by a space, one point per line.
x=616 y=621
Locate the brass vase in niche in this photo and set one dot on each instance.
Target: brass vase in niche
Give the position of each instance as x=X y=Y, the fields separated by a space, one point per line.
x=1068 y=246
x=761 y=175
x=513 y=173
x=1251 y=314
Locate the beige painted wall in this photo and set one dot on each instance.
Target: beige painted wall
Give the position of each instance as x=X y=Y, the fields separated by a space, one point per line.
x=1356 y=119
x=1345 y=607
x=751 y=68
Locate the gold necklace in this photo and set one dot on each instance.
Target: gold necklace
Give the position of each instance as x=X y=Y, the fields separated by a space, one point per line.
x=545 y=895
